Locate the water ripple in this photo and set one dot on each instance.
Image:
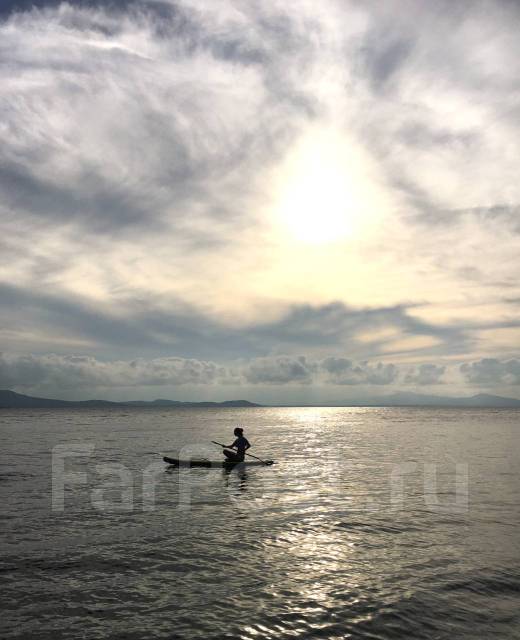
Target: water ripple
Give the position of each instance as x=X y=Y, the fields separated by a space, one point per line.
x=299 y=550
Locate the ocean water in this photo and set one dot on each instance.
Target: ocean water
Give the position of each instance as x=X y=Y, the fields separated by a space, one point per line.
x=373 y=523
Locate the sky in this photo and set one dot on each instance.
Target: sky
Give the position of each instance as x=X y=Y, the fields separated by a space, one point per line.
x=285 y=201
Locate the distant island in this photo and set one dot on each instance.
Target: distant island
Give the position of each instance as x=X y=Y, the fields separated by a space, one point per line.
x=13 y=400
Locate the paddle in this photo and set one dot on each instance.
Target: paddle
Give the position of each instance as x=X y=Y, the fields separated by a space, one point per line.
x=247 y=454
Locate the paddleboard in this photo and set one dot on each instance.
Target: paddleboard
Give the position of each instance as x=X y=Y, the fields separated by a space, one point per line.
x=214 y=464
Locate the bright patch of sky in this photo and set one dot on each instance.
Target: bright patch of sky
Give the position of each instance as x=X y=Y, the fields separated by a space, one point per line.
x=206 y=200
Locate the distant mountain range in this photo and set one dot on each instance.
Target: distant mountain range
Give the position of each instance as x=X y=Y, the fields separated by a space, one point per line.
x=13 y=400
x=409 y=399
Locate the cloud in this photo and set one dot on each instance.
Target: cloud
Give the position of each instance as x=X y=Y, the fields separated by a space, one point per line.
x=363 y=332
x=71 y=372
x=60 y=373
x=279 y=370
x=490 y=371
x=146 y=327
x=344 y=371
x=139 y=146
x=80 y=376
x=105 y=128
x=425 y=374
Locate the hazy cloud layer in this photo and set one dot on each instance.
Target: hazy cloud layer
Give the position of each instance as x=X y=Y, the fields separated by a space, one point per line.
x=280 y=370
x=144 y=149
x=425 y=374
x=65 y=372
x=344 y=371
x=489 y=371
x=144 y=327
x=264 y=379
x=77 y=371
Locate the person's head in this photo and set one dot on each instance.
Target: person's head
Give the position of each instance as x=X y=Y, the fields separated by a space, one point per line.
x=238 y=432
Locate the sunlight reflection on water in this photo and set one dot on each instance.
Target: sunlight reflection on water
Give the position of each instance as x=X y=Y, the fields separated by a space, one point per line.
x=315 y=546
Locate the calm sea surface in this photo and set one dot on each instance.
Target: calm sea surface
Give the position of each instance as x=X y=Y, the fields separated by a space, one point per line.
x=373 y=523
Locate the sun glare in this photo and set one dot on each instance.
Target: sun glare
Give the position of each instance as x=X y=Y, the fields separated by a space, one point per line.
x=323 y=192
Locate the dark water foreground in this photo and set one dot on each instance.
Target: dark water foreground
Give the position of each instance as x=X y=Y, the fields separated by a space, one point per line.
x=374 y=523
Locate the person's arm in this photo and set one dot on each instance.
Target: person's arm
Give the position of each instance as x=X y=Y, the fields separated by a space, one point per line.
x=248 y=446
x=232 y=446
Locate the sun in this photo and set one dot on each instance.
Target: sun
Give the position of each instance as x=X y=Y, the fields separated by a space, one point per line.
x=323 y=193
x=316 y=205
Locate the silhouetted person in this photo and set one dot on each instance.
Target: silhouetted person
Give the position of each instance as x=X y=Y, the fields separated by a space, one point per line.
x=241 y=445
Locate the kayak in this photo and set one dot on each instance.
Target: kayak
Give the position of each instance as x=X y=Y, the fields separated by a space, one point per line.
x=214 y=464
